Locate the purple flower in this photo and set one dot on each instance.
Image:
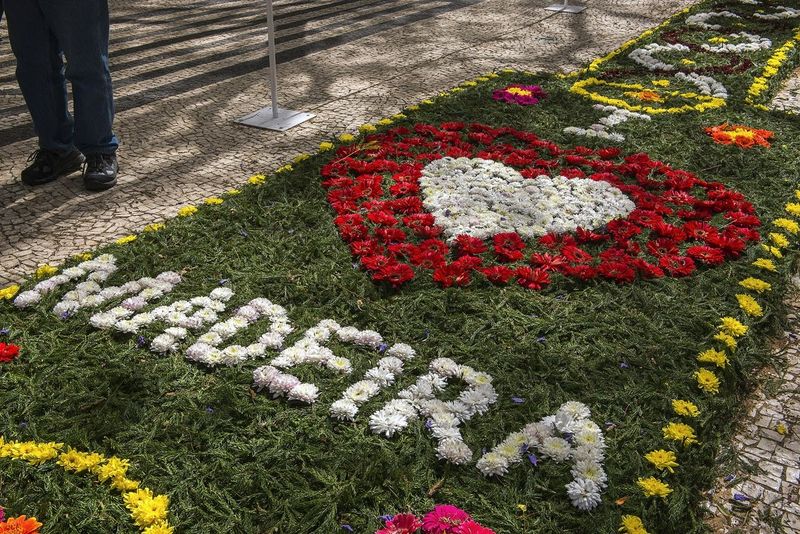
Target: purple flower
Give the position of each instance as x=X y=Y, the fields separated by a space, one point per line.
x=347 y=527
x=209 y=409
x=386 y=518
x=428 y=424
x=739 y=497
x=65 y=315
x=730 y=477
x=623 y=365
x=541 y=339
x=224 y=281
x=4 y=331
x=517 y=400
x=382 y=347
x=533 y=459
x=2 y=514
x=141 y=342
x=244 y=233
x=23 y=424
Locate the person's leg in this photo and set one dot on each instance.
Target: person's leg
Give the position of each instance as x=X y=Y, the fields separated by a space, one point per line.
x=40 y=74
x=81 y=28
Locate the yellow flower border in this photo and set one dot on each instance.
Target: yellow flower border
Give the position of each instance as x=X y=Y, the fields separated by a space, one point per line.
x=774 y=64
x=580 y=88
x=148 y=511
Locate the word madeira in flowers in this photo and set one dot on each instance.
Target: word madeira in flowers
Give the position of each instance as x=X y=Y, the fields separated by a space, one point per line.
x=569 y=434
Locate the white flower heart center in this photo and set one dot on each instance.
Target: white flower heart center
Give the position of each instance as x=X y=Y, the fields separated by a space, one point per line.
x=481 y=198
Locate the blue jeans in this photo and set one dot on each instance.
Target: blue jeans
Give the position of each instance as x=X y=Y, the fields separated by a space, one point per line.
x=39 y=31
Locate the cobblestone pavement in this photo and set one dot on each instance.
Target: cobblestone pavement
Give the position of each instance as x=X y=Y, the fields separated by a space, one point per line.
x=788 y=99
x=762 y=494
x=184 y=70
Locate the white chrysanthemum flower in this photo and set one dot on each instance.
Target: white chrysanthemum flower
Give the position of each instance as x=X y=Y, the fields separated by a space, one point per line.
x=263 y=376
x=177 y=332
x=535 y=433
x=112 y=292
x=445 y=419
x=340 y=365
x=233 y=354
x=225 y=329
x=191 y=323
x=127 y=326
x=283 y=361
x=387 y=424
x=391 y=364
x=151 y=293
x=348 y=334
x=67 y=307
x=256 y=350
x=73 y=295
x=272 y=340
x=476 y=400
x=206 y=315
x=403 y=407
x=344 y=410
x=119 y=312
x=27 y=298
x=88 y=287
x=445 y=367
x=565 y=422
x=248 y=313
x=216 y=306
x=417 y=392
x=169 y=277
x=515 y=439
x=46 y=286
x=381 y=376
x=330 y=324
x=510 y=451
x=460 y=410
x=443 y=433
x=402 y=351
x=164 y=343
x=477 y=378
x=454 y=451
x=317 y=333
x=281 y=327
x=493 y=464
x=436 y=382
x=274 y=312
x=131 y=287
x=590 y=438
x=369 y=338
x=221 y=294
x=261 y=304
x=103 y=321
x=210 y=338
x=307 y=393
x=488 y=392
x=99 y=276
x=135 y=303
x=584 y=494
x=575 y=409
x=361 y=391
x=590 y=470
x=73 y=272
x=283 y=384
x=586 y=452
x=428 y=407
x=198 y=351
x=239 y=322
x=201 y=302
x=556 y=449
x=92 y=301
x=175 y=317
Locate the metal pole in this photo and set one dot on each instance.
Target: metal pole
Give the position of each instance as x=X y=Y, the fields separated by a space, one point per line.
x=273 y=64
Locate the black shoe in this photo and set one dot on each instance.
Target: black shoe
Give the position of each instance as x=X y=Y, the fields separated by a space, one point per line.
x=48 y=165
x=100 y=172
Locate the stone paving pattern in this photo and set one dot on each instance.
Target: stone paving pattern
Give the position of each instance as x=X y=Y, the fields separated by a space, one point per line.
x=762 y=495
x=184 y=70
x=788 y=98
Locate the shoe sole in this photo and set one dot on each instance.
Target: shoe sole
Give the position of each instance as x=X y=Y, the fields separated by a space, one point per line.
x=99 y=186
x=74 y=167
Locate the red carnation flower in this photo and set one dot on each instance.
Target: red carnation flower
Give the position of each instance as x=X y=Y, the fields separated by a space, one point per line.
x=498 y=274
x=508 y=255
x=510 y=240
x=390 y=235
x=384 y=218
x=434 y=245
x=419 y=220
x=532 y=278
x=549 y=241
x=677 y=265
x=470 y=245
x=707 y=255
x=548 y=262
x=377 y=262
x=366 y=247
x=662 y=247
x=469 y=263
x=8 y=352
x=700 y=230
x=396 y=274
x=401 y=524
x=733 y=247
x=404 y=188
x=581 y=272
x=588 y=236
x=616 y=271
x=452 y=275
x=647 y=270
x=576 y=255
x=608 y=153
x=428 y=231
x=426 y=258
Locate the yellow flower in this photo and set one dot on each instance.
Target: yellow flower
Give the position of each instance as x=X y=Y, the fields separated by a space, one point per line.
x=427 y=102
x=787 y=224
x=793 y=208
x=522 y=508
x=257 y=179
x=687 y=62
x=153 y=227
x=114 y=468
x=125 y=240
x=727 y=339
x=632 y=524
x=779 y=240
x=77 y=461
x=456 y=89
x=797 y=194
x=46 y=270
x=301 y=158
x=367 y=128
x=733 y=327
x=233 y=192
x=385 y=122
x=9 y=292
x=717 y=40
x=653 y=487
x=286 y=168
x=124 y=484
x=766 y=264
x=679 y=432
x=399 y=116
x=325 y=146
x=749 y=305
x=213 y=201
x=717 y=357
x=186 y=211
x=162 y=527
x=661 y=83
x=781 y=429
x=30 y=451
x=346 y=137
x=482 y=79
x=469 y=84
x=84 y=256
x=685 y=408
x=775 y=251
x=707 y=380
x=755 y=284
x=146 y=509
x=662 y=459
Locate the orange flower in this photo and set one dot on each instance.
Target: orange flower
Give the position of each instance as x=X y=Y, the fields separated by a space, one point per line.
x=741 y=136
x=647 y=96
x=20 y=525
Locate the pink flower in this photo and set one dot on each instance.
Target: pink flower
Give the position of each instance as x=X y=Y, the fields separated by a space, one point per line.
x=444 y=519
x=471 y=527
x=401 y=524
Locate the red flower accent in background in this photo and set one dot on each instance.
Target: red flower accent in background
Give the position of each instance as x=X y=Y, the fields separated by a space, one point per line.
x=8 y=352
x=680 y=223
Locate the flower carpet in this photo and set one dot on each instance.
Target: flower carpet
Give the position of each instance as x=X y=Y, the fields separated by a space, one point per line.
x=531 y=303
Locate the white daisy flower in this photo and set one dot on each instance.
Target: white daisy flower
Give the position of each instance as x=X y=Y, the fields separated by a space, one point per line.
x=454 y=451
x=387 y=424
x=402 y=351
x=306 y=393
x=584 y=494
x=493 y=464
x=344 y=410
x=556 y=448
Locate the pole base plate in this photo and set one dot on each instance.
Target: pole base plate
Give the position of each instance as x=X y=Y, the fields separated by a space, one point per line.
x=263 y=118
x=565 y=8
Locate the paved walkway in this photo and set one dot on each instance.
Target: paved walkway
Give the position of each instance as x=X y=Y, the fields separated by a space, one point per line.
x=184 y=70
x=788 y=99
x=761 y=494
